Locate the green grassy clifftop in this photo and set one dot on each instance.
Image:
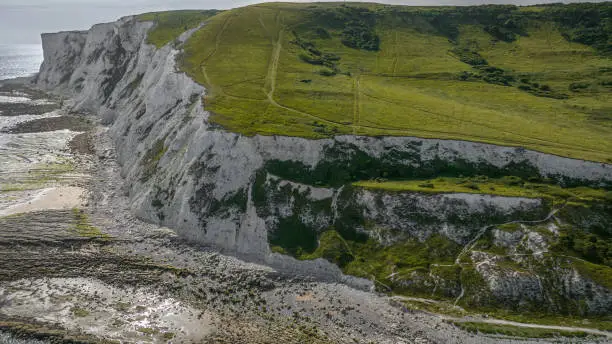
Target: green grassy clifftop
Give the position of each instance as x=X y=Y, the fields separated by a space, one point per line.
x=538 y=77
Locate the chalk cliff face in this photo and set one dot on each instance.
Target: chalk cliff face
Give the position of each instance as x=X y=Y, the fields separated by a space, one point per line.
x=237 y=193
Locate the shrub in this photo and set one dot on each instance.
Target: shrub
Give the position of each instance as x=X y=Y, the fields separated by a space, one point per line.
x=590 y=247
x=327 y=72
x=359 y=36
x=310 y=59
x=577 y=86
x=472 y=186
x=322 y=33
x=500 y=33
x=470 y=57
x=512 y=180
x=545 y=88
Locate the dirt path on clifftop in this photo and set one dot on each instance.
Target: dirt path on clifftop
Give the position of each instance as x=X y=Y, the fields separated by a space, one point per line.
x=273 y=68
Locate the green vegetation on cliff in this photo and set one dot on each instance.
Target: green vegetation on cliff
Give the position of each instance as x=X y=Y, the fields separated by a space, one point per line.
x=537 y=77
x=507 y=186
x=388 y=265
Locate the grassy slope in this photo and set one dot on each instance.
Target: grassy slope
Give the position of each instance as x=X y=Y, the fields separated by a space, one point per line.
x=170 y=25
x=409 y=87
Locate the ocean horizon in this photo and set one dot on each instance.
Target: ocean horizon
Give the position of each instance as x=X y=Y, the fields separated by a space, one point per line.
x=19 y=60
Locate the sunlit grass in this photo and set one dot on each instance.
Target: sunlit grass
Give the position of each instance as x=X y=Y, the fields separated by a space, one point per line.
x=257 y=84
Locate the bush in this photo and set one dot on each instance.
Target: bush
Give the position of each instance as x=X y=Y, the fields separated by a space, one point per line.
x=512 y=181
x=310 y=59
x=577 y=86
x=590 y=247
x=467 y=76
x=322 y=33
x=333 y=248
x=472 y=186
x=500 y=33
x=470 y=57
x=494 y=75
x=359 y=36
x=545 y=88
x=606 y=83
x=327 y=72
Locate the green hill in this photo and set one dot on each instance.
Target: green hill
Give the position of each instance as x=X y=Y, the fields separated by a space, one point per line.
x=538 y=77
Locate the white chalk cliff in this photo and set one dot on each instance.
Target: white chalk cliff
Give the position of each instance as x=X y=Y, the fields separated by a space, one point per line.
x=216 y=187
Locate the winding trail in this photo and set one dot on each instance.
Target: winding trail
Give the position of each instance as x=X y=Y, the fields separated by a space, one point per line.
x=470 y=245
x=473 y=319
x=213 y=52
x=549 y=327
x=273 y=68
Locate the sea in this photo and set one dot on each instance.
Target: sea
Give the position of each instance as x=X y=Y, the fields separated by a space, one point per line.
x=19 y=60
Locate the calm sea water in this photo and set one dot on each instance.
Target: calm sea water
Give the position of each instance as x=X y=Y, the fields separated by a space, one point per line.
x=17 y=60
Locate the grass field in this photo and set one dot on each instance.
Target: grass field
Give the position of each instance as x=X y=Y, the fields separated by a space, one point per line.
x=284 y=69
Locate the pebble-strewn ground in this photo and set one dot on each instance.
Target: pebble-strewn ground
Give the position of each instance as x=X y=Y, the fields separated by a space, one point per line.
x=75 y=265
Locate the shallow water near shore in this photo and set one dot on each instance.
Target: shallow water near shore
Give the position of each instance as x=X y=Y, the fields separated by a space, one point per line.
x=38 y=168
x=19 y=60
